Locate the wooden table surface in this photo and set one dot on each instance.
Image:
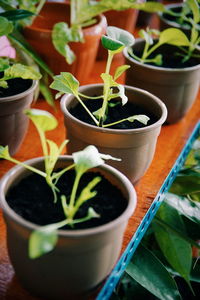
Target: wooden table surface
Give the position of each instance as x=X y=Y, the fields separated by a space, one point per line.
x=170 y=143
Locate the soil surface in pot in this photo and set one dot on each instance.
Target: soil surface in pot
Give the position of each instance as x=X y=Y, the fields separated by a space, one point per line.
x=15 y=87
x=32 y=199
x=115 y=113
x=170 y=58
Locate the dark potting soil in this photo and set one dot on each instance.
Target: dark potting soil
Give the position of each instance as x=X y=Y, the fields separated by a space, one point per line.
x=170 y=58
x=33 y=200
x=115 y=113
x=15 y=86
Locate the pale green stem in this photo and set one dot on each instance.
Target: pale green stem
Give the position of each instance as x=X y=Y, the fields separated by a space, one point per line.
x=91 y=115
x=106 y=89
x=73 y=193
x=43 y=174
x=56 y=176
x=90 y=97
x=114 y=123
x=151 y=50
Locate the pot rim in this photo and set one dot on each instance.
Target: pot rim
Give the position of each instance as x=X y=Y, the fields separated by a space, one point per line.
x=20 y=95
x=100 y=21
x=172 y=70
x=160 y=69
x=132 y=201
x=67 y=97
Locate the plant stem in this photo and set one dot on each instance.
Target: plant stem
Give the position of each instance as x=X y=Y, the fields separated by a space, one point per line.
x=43 y=174
x=106 y=89
x=91 y=115
x=73 y=194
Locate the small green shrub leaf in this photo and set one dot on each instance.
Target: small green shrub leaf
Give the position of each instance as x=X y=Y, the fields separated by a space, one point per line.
x=173 y=36
x=111 y=44
x=149 y=272
x=41 y=242
x=120 y=35
x=42 y=119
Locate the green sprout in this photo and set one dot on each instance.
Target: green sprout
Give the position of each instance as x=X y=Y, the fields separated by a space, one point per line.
x=115 y=41
x=44 y=238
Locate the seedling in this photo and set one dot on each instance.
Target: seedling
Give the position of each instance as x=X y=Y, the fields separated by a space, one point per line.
x=115 y=41
x=44 y=239
x=16 y=70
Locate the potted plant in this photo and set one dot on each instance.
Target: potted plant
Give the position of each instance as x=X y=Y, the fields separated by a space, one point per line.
x=64 y=236
x=168 y=67
x=103 y=115
x=179 y=15
x=12 y=19
x=17 y=86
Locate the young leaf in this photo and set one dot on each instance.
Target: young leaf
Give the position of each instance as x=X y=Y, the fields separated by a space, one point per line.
x=65 y=83
x=141 y=118
x=42 y=119
x=61 y=36
x=121 y=94
x=111 y=44
x=176 y=250
x=4 y=152
x=120 y=70
x=41 y=242
x=16 y=14
x=194 y=6
x=25 y=72
x=148 y=271
x=120 y=35
x=89 y=158
x=173 y=36
x=6 y=26
x=4 y=63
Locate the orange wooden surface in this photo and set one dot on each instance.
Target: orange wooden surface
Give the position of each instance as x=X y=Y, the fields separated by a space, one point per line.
x=170 y=143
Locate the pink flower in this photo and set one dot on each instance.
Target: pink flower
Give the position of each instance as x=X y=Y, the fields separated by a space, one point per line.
x=5 y=48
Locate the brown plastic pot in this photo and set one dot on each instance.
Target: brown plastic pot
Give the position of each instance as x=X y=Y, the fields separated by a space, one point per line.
x=135 y=147
x=81 y=259
x=177 y=88
x=13 y=121
x=39 y=37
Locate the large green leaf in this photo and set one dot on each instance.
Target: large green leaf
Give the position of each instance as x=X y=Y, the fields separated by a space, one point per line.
x=173 y=36
x=194 y=6
x=42 y=119
x=176 y=250
x=148 y=271
x=184 y=206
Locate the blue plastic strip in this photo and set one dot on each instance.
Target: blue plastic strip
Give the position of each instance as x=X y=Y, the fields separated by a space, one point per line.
x=125 y=258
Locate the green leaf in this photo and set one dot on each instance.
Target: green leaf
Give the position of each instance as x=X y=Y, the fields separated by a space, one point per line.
x=184 y=185
x=175 y=249
x=53 y=155
x=120 y=70
x=3 y=84
x=16 y=14
x=150 y=6
x=65 y=83
x=45 y=91
x=148 y=271
x=184 y=206
x=61 y=36
x=194 y=6
x=22 y=71
x=42 y=119
x=89 y=158
x=4 y=63
x=6 y=26
x=4 y=152
x=141 y=118
x=173 y=36
x=121 y=94
x=111 y=44
x=120 y=35
x=41 y=242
